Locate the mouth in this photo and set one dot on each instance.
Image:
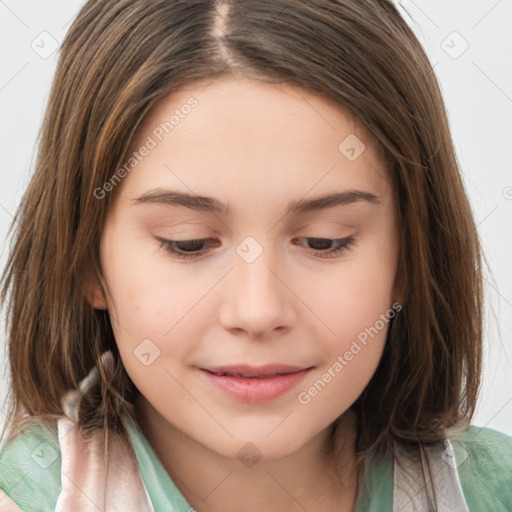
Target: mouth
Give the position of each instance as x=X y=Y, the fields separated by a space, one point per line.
x=255 y=384
x=257 y=372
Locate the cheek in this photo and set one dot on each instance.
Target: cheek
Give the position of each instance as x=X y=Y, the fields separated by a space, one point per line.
x=163 y=312
x=351 y=352
x=356 y=296
x=153 y=314
x=355 y=307
x=148 y=295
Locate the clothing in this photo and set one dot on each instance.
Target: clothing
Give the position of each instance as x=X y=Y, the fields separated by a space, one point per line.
x=42 y=470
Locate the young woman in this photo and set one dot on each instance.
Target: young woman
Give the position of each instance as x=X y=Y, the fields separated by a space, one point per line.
x=245 y=274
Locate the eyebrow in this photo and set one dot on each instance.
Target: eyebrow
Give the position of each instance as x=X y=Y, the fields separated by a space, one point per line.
x=212 y=205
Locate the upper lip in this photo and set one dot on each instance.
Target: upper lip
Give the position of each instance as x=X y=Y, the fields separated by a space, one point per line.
x=244 y=370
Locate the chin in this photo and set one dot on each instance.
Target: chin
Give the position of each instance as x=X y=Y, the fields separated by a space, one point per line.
x=258 y=444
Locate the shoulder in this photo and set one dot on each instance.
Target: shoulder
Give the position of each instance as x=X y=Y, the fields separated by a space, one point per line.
x=483 y=458
x=30 y=469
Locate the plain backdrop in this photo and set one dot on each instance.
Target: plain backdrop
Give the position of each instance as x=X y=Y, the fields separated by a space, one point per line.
x=470 y=45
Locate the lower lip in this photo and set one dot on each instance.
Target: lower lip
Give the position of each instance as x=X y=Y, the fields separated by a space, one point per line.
x=256 y=390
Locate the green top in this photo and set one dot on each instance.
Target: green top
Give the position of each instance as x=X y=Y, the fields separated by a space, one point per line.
x=30 y=473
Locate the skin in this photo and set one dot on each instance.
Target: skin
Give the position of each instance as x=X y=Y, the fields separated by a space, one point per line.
x=256 y=147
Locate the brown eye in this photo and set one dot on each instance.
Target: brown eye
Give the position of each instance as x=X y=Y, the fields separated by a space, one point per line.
x=329 y=247
x=185 y=248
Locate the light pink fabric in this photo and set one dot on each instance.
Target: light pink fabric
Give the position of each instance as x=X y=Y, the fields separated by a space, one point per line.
x=7 y=505
x=88 y=485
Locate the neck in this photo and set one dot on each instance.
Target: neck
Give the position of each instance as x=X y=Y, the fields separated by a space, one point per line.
x=315 y=477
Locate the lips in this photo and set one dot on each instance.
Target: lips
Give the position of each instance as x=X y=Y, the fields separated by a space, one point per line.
x=247 y=371
x=255 y=384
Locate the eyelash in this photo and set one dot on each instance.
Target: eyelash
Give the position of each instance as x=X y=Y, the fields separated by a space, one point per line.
x=343 y=244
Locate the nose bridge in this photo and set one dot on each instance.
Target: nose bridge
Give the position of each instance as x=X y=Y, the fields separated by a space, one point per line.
x=257 y=300
x=258 y=283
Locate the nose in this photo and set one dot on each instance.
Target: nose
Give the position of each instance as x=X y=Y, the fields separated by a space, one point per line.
x=257 y=300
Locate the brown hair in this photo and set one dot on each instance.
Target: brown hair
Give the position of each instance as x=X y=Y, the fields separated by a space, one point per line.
x=119 y=59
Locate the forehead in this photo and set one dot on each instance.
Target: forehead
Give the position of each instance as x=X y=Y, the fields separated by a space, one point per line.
x=243 y=135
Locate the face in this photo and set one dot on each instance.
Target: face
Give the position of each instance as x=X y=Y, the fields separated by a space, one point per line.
x=250 y=257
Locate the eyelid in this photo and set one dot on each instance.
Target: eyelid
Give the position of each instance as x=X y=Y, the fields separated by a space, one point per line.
x=344 y=244
x=167 y=245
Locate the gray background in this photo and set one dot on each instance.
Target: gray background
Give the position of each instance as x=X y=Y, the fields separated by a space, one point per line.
x=470 y=45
